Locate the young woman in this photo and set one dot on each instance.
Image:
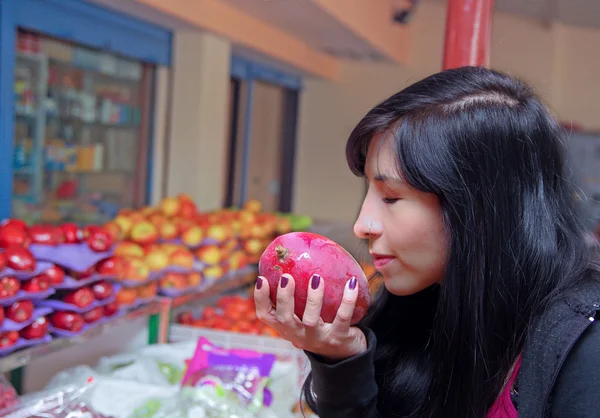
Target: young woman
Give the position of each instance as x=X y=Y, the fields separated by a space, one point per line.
x=491 y=290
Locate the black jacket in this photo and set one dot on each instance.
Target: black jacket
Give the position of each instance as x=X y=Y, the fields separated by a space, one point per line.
x=559 y=377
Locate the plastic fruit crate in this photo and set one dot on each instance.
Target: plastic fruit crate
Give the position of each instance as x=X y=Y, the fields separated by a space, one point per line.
x=283 y=349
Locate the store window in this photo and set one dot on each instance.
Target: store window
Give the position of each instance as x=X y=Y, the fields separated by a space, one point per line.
x=81 y=134
x=262 y=138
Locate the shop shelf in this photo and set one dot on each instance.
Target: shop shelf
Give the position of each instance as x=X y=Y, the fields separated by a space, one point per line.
x=22 y=358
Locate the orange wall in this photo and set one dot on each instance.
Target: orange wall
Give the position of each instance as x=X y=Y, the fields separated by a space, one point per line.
x=218 y=17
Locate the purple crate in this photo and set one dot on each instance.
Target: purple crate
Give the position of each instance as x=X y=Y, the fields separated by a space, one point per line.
x=173 y=293
x=23 y=343
x=205 y=241
x=68 y=334
x=139 y=302
x=41 y=266
x=106 y=319
x=70 y=283
x=9 y=325
x=154 y=277
x=59 y=305
x=77 y=257
x=23 y=295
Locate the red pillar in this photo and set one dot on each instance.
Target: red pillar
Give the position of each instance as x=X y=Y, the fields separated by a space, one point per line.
x=468 y=33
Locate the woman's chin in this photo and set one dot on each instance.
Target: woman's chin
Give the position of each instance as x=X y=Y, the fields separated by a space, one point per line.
x=403 y=286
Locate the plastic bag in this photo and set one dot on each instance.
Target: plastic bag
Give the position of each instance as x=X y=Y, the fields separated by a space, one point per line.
x=8 y=394
x=69 y=402
x=239 y=376
x=159 y=365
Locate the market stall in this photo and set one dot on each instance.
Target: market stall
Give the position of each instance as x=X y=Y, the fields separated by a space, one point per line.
x=192 y=273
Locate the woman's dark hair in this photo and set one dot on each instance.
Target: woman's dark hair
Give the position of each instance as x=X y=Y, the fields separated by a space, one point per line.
x=490 y=150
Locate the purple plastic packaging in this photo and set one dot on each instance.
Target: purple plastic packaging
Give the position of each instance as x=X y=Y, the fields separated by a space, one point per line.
x=40 y=267
x=68 y=334
x=23 y=343
x=242 y=371
x=154 y=276
x=177 y=241
x=9 y=325
x=138 y=302
x=23 y=295
x=71 y=283
x=172 y=293
x=59 y=305
x=106 y=319
x=77 y=257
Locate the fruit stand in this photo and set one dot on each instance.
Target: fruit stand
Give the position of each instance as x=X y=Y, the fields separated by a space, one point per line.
x=64 y=285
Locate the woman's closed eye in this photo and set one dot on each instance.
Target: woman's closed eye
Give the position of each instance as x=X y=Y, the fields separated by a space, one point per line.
x=390 y=200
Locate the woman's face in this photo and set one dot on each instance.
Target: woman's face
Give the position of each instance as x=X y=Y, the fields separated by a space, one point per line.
x=403 y=225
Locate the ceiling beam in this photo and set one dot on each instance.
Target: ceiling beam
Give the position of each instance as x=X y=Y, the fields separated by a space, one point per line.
x=218 y=17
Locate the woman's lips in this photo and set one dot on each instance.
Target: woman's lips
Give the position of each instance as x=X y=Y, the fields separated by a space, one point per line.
x=382 y=260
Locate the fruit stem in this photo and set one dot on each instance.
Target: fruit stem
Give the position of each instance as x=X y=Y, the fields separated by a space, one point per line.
x=281 y=252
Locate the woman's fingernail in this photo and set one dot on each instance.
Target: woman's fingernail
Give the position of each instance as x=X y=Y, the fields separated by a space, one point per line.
x=258 y=282
x=353 y=282
x=284 y=282
x=315 y=281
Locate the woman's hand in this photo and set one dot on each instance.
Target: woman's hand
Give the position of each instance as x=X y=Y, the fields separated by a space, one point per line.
x=335 y=341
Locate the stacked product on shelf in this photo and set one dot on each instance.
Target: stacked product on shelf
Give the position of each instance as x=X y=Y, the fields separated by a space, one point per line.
x=50 y=285
x=57 y=281
x=234 y=313
x=173 y=249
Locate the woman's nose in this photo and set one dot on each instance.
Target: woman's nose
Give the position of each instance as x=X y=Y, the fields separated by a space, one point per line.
x=366 y=227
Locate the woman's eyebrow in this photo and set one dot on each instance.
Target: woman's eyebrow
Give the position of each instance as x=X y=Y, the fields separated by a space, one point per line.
x=384 y=178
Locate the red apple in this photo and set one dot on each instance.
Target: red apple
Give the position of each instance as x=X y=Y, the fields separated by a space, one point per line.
x=188 y=209
x=127 y=296
x=14 y=222
x=113 y=230
x=302 y=254
x=172 y=280
x=39 y=283
x=170 y=206
x=192 y=236
x=2 y=261
x=102 y=290
x=69 y=321
x=182 y=257
x=55 y=275
x=88 y=230
x=36 y=330
x=81 y=298
x=99 y=241
x=72 y=233
x=112 y=308
x=1 y=315
x=135 y=269
x=82 y=275
x=93 y=315
x=46 y=235
x=20 y=311
x=185 y=318
x=8 y=339
x=9 y=287
x=112 y=266
x=144 y=233
x=168 y=230
x=19 y=258
x=13 y=234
